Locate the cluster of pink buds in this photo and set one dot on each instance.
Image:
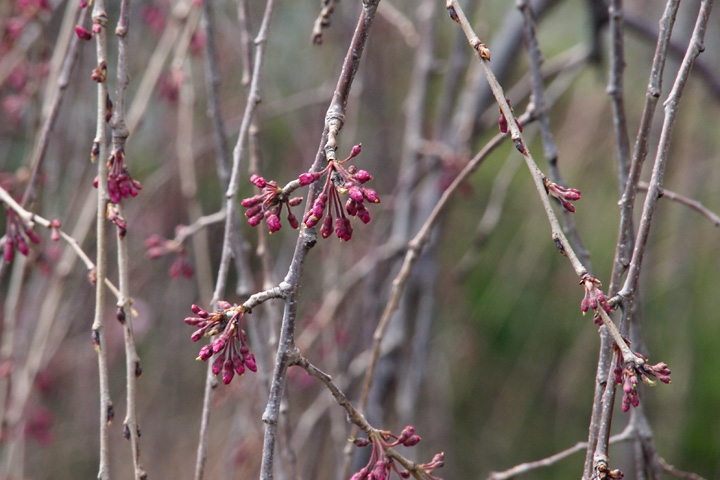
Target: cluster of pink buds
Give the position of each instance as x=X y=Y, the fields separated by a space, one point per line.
x=564 y=195
x=380 y=466
x=120 y=183
x=340 y=181
x=594 y=297
x=158 y=246
x=502 y=121
x=17 y=236
x=230 y=346
x=629 y=374
x=268 y=205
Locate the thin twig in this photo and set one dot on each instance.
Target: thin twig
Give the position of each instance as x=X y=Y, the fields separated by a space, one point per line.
x=629 y=289
x=616 y=91
x=99 y=152
x=687 y=201
x=675 y=472
x=695 y=47
x=353 y=414
x=334 y=120
x=29 y=219
x=626 y=229
x=124 y=309
x=230 y=219
x=523 y=468
x=415 y=247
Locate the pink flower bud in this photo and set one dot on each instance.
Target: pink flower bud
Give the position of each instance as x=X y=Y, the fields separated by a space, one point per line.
x=307 y=178
x=258 y=181
x=217 y=365
x=362 y=176
x=205 y=353
x=251 y=201
x=224 y=305
x=355 y=193
x=295 y=201
x=503 y=124
x=273 y=223
x=326 y=229
x=228 y=372
x=356 y=150
x=96 y=28
x=252 y=211
x=249 y=360
x=255 y=220
x=292 y=220
x=82 y=33
x=238 y=365
x=370 y=195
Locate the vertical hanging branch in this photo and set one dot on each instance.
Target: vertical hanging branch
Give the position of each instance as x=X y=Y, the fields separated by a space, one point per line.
x=98 y=154
x=131 y=429
x=627 y=294
x=626 y=229
x=334 y=119
x=616 y=91
x=230 y=218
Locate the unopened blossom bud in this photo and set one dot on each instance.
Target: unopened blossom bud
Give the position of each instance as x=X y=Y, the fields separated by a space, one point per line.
x=503 y=124
x=96 y=28
x=273 y=223
x=307 y=178
x=356 y=194
x=82 y=33
x=351 y=207
x=355 y=151
x=228 y=371
x=292 y=220
x=255 y=220
x=22 y=245
x=361 y=475
x=9 y=248
x=218 y=365
x=361 y=442
x=363 y=214
x=252 y=211
x=326 y=229
x=250 y=363
x=258 y=181
x=412 y=441
x=218 y=344
x=295 y=201
x=205 y=353
x=238 y=365
x=55 y=227
x=224 y=305
x=32 y=236
x=362 y=176
x=251 y=202
x=370 y=195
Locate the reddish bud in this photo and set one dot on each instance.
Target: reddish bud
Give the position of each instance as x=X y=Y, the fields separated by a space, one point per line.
x=258 y=181
x=250 y=363
x=217 y=365
x=326 y=229
x=307 y=178
x=82 y=33
x=224 y=305
x=362 y=176
x=273 y=223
